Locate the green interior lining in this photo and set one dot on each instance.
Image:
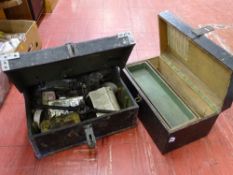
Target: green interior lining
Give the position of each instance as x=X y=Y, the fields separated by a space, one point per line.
x=169 y=105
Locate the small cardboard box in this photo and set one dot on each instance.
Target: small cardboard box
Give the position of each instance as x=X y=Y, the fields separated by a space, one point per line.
x=31 y=40
x=50 y=5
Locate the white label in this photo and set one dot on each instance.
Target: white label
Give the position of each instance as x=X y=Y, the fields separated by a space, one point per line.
x=171 y=139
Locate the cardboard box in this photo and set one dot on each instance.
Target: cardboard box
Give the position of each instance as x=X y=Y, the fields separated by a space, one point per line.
x=32 y=39
x=50 y=5
x=10 y=3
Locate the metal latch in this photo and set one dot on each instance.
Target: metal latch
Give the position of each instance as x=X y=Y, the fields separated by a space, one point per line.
x=90 y=137
x=138 y=98
x=8 y=56
x=203 y=30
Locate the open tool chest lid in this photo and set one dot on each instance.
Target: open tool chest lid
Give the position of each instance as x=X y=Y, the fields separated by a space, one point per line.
x=28 y=69
x=195 y=35
x=208 y=62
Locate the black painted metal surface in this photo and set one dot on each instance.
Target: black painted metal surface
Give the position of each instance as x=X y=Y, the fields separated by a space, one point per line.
x=166 y=139
x=72 y=60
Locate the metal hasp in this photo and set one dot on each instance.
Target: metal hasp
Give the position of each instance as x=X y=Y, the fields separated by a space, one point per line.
x=90 y=137
x=70 y=50
x=203 y=30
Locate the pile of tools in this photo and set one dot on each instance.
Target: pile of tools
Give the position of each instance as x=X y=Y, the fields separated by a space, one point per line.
x=70 y=101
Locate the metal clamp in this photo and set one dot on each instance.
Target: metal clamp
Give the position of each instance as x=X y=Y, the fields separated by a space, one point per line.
x=90 y=137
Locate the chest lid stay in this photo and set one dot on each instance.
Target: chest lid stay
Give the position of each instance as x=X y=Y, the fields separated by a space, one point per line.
x=70 y=60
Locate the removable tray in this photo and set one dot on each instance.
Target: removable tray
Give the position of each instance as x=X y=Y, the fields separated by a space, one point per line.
x=173 y=110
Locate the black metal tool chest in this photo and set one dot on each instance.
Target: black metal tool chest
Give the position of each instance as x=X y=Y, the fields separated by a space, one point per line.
x=36 y=70
x=180 y=93
x=183 y=90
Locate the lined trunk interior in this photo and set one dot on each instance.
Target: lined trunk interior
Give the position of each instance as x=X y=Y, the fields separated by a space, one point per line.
x=169 y=105
x=184 y=83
